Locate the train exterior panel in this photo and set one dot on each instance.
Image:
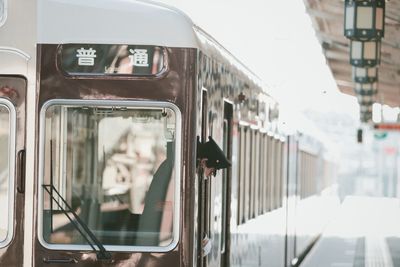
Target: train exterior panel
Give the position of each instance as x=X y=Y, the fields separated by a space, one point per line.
x=116 y=101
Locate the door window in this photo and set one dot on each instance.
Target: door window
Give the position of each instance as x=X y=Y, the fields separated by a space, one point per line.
x=7 y=143
x=112 y=169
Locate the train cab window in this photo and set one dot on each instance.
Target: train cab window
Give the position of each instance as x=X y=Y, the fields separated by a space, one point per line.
x=7 y=141
x=113 y=170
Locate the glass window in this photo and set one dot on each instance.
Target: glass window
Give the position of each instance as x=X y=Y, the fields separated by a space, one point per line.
x=113 y=166
x=241 y=183
x=7 y=131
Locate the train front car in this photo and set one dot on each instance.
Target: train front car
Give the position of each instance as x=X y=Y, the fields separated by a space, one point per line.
x=114 y=101
x=115 y=134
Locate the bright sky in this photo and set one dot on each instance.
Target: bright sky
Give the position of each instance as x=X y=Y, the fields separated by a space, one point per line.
x=275 y=39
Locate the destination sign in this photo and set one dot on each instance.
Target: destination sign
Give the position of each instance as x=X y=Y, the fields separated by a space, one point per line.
x=103 y=59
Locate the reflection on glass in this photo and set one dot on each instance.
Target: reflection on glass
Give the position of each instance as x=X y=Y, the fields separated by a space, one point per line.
x=114 y=168
x=4 y=170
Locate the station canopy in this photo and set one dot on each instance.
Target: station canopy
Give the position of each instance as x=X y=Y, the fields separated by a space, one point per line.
x=328 y=21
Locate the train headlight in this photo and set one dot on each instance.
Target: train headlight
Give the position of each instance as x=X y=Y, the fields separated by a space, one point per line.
x=3 y=12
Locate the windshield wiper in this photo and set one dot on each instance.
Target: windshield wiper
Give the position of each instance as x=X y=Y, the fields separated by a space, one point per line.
x=101 y=252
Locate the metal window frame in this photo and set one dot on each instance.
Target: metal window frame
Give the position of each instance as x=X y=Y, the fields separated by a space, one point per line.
x=3 y=18
x=11 y=167
x=177 y=171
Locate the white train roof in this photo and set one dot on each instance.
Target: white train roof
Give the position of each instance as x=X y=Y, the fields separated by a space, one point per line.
x=113 y=22
x=139 y=22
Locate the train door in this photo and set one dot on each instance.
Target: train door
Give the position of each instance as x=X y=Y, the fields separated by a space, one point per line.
x=226 y=186
x=12 y=168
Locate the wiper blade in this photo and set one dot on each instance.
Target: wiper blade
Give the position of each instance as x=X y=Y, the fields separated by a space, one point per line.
x=101 y=252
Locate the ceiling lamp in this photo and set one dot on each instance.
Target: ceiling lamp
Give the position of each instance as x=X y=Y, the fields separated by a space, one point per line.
x=364 y=19
x=366 y=89
x=365 y=54
x=366 y=100
x=365 y=75
x=366 y=109
x=366 y=117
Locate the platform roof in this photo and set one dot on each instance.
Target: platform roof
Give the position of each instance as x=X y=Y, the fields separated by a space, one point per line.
x=327 y=19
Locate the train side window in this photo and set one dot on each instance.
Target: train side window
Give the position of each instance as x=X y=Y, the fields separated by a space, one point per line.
x=241 y=183
x=308 y=174
x=116 y=166
x=252 y=176
x=302 y=174
x=280 y=176
x=261 y=173
x=265 y=173
x=312 y=173
x=7 y=146
x=271 y=175
x=256 y=173
x=305 y=174
x=276 y=173
x=247 y=162
x=309 y=170
x=281 y=173
x=284 y=169
x=239 y=178
x=204 y=109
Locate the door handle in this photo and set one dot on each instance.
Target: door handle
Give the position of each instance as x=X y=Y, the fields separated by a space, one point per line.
x=21 y=171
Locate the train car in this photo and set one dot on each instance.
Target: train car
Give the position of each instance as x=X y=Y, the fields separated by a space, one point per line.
x=312 y=197
x=105 y=103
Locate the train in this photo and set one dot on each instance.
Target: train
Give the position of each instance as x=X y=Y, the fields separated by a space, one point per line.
x=102 y=106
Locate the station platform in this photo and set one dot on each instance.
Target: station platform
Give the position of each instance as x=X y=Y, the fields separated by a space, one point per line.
x=365 y=232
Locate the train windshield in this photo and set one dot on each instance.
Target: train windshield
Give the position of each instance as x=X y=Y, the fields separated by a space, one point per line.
x=6 y=173
x=109 y=169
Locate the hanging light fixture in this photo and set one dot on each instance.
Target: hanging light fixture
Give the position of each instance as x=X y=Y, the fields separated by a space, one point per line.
x=366 y=109
x=365 y=75
x=366 y=89
x=365 y=117
x=365 y=54
x=364 y=19
x=366 y=100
